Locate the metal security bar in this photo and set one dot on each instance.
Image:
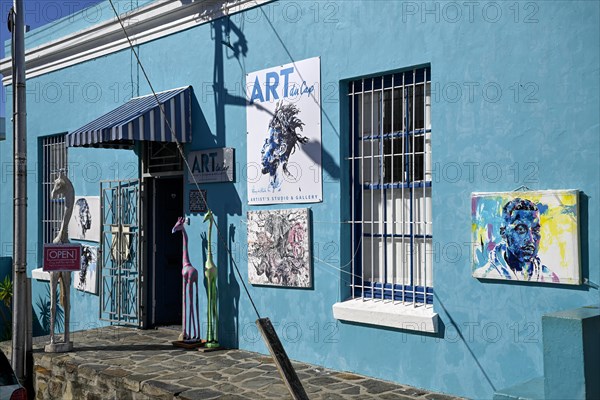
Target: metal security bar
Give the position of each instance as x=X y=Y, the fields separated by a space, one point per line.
x=119 y=252
x=390 y=174
x=162 y=157
x=54 y=159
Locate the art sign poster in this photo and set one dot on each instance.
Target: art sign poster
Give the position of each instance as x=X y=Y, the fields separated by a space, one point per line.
x=284 y=134
x=86 y=279
x=279 y=248
x=530 y=236
x=85 y=221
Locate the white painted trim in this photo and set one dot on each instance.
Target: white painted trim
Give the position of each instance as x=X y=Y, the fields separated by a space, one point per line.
x=385 y=313
x=40 y=274
x=153 y=21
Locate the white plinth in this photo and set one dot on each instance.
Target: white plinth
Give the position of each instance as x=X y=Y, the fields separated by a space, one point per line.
x=58 y=347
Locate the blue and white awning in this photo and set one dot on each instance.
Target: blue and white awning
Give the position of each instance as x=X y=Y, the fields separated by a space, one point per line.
x=140 y=119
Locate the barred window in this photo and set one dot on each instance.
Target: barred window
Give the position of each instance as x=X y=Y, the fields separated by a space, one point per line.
x=390 y=166
x=54 y=159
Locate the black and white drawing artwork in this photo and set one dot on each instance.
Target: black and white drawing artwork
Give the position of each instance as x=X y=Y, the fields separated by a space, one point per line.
x=278 y=248
x=85 y=221
x=87 y=278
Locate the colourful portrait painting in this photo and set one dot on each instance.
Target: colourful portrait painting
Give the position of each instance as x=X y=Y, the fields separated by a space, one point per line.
x=530 y=236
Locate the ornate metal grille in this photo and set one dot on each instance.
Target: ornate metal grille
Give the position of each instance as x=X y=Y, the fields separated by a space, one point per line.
x=120 y=244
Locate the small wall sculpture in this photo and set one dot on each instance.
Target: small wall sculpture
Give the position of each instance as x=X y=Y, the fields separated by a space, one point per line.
x=62 y=187
x=278 y=248
x=530 y=236
x=210 y=272
x=191 y=325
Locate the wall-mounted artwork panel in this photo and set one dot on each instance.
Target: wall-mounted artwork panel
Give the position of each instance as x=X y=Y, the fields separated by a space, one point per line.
x=279 y=249
x=283 y=119
x=87 y=278
x=198 y=201
x=85 y=221
x=528 y=236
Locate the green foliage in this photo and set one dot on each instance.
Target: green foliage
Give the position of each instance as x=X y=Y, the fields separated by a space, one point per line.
x=6 y=291
x=6 y=295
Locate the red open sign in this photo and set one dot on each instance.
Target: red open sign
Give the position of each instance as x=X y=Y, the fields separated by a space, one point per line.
x=62 y=257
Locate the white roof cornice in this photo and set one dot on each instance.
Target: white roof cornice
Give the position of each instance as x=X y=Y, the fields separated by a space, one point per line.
x=153 y=21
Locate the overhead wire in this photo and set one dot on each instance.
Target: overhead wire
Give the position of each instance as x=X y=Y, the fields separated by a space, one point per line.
x=181 y=152
x=195 y=182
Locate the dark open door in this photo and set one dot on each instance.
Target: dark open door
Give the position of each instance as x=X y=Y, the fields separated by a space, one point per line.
x=165 y=250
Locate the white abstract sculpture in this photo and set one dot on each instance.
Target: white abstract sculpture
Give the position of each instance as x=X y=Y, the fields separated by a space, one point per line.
x=62 y=187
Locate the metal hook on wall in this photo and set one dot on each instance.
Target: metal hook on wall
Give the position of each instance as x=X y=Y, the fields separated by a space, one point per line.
x=522 y=188
x=591 y=284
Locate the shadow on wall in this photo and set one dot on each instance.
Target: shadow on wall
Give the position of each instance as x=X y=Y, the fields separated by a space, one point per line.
x=584 y=201
x=230 y=43
x=41 y=324
x=226 y=195
x=231 y=326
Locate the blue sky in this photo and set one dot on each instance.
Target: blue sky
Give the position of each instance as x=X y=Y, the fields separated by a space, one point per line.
x=37 y=13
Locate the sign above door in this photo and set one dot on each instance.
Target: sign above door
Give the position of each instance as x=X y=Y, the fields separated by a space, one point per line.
x=212 y=165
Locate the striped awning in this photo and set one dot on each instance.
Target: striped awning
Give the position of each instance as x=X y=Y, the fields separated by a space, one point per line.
x=140 y=119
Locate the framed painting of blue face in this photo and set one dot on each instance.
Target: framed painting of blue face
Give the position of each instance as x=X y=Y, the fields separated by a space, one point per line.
x=528 y=236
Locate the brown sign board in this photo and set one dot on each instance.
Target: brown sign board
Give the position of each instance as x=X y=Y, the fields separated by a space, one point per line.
x=283 y=363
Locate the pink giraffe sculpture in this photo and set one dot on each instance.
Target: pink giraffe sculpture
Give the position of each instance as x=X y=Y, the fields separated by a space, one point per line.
x=190 y=280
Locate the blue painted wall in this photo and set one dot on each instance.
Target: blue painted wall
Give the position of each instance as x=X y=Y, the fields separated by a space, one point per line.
x=515 y=102
x=571 y=370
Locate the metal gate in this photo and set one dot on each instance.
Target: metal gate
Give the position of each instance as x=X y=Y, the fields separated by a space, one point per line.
x=120 y=291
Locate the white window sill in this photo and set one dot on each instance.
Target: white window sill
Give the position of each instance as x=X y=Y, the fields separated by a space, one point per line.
x=385 y=313
x=40 y=274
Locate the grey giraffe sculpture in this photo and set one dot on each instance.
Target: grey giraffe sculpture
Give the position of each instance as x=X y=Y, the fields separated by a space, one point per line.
x=62 y=186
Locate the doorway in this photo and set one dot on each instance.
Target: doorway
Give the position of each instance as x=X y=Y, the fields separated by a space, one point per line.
x=164 y=250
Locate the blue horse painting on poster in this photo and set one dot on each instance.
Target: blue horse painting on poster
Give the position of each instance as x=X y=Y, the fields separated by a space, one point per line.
x=281 y=143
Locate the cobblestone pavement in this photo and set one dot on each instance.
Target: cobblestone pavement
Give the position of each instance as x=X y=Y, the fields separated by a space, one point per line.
x=143 y=364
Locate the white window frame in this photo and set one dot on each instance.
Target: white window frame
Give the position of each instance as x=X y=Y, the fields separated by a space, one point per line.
x=390 y=222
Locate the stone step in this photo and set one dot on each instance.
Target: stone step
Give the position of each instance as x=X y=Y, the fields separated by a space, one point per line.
x=530 y=390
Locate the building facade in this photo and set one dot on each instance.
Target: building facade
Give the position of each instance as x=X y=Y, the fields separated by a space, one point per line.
x=419 y=105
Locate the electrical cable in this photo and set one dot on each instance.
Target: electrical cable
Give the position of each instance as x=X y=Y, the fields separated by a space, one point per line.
x=180 y=149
